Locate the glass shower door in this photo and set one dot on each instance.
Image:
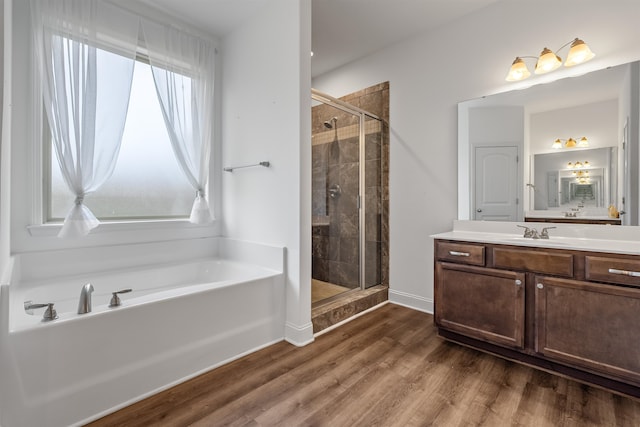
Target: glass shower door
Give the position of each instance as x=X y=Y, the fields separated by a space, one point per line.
x=373 y=206
x=336 y=221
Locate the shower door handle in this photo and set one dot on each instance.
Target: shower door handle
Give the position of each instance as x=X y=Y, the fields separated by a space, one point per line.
x=335 y=191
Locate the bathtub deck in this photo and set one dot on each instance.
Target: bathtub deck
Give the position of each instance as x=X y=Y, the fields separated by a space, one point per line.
x=388 y=368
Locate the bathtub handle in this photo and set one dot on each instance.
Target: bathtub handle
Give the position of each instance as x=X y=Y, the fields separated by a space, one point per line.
x=115 y=299
x=49 y=314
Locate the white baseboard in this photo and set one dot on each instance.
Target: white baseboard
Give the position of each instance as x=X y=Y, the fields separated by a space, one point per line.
x=298 y=335
x=411 y=301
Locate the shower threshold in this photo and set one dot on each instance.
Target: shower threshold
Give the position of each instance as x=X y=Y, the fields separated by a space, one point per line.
x=338 y=308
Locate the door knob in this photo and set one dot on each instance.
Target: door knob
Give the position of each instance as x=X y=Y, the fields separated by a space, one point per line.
x=478 y=210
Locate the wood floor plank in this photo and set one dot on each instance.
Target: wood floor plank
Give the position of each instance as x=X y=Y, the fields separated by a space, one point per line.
x=386 y=368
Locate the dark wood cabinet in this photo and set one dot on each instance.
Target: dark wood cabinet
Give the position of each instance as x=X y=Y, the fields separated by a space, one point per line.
x=590 y=325
x=483 y=303
x=573 y=312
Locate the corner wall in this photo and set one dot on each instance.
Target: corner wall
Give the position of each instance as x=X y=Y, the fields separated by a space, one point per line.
x=266 y=116
x=473 y=56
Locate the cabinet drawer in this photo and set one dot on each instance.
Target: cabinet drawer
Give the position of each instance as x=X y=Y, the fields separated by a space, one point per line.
x=542 y=261
x=465 y=253
x=613 y=270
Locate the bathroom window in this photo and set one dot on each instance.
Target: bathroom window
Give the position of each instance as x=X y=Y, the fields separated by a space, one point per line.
x=129 y=103
x=147 y=182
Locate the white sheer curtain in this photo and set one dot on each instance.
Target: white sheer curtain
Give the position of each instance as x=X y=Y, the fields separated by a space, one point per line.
x=86 y=53
x=183 y=72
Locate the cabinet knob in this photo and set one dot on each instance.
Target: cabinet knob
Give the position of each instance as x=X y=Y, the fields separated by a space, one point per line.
x=518 y=282
x=540 y=286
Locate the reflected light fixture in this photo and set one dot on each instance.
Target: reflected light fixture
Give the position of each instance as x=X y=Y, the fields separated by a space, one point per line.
x=548 y=60
x=570 y=143
x=579 y=165
x=582 y=177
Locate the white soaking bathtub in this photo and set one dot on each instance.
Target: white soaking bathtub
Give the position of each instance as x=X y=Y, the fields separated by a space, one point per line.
x=183 y=317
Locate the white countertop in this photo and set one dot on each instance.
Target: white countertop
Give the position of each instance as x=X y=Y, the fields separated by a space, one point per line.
x=579 y=215
x=582 y=237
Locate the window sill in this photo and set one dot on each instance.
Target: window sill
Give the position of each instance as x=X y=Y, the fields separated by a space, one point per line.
x=52 y=230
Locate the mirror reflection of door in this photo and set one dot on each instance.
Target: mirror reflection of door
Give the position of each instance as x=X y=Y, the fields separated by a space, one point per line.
x=626 y=175
x=565 y=191
x=496 y=183
x=552 y=189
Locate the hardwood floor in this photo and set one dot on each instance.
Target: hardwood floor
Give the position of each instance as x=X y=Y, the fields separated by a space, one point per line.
x=386 y=368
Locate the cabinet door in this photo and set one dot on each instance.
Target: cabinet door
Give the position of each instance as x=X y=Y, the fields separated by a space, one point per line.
x=482 y=303
x=589 y=325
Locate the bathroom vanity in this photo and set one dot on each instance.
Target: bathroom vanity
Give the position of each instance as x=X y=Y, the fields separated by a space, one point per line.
x=569 y=304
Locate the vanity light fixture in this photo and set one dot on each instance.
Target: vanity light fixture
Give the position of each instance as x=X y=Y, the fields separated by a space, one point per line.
x=570 y=143
x=518 y=71
x=549 y=60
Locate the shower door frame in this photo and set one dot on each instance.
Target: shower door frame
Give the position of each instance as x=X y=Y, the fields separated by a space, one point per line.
x=361 y=201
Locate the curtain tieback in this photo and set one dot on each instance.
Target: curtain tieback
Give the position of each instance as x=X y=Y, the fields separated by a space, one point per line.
x=79 y=200
x=200 y=193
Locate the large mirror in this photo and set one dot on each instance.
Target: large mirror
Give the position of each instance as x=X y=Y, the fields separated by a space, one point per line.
x=561 y=152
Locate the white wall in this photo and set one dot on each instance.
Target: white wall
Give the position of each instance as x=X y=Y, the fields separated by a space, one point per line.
x=597 y=121
x=633 y=214
x=266 y=107
x=473 y=57
x=5 y=153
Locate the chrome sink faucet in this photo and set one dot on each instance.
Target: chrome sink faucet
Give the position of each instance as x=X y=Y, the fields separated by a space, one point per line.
x=532 y=233
x=529 y=233
x=84 y=305
x=545 y=232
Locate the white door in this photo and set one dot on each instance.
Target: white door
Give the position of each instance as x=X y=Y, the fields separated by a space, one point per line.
x=626 y=180
x=496 y=183
x=552 y=189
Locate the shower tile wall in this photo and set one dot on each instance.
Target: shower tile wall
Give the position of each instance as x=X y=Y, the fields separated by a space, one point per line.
x=335 y=158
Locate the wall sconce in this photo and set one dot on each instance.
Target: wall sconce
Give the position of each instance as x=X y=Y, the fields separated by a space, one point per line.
x=549 y=60
x=570 y=143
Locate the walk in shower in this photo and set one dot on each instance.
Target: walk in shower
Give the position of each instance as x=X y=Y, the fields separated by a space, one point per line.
x=348 y=185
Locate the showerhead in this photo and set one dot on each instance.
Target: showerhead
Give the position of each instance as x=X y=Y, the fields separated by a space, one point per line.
x=329 y=124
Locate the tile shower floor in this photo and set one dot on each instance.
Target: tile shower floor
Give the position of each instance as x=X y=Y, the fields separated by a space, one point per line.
x=322 y=290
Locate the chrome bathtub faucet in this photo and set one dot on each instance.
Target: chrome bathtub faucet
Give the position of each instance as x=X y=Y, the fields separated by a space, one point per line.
x=84 y=305
x=49 y=314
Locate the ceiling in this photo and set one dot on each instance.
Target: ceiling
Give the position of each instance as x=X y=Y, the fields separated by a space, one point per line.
x=342 y=30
